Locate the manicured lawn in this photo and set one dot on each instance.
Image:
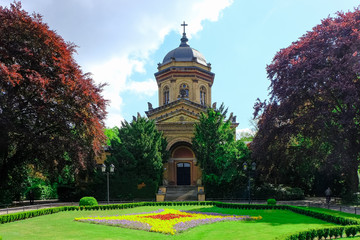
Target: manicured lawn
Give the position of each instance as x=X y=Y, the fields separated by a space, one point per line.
x=334 y=213
x=62 y=226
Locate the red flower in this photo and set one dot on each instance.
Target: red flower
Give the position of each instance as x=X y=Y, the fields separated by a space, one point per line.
x=167 y=216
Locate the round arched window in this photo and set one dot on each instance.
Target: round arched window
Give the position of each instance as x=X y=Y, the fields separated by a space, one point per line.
x=184 y=91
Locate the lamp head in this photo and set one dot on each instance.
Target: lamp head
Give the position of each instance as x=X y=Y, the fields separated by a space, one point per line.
x=112 y=168
x=245 y=166
x=103 y=167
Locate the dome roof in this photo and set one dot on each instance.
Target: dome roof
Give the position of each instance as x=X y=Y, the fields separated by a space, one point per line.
x=184 y=53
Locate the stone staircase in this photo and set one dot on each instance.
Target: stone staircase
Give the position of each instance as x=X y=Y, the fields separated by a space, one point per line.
x=181 y=193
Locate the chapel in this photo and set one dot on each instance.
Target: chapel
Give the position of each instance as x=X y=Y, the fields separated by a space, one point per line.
x=184 y=80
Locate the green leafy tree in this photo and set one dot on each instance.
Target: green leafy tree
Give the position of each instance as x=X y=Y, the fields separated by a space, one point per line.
x=138 y=151
x=112 y=134
x=219 y=156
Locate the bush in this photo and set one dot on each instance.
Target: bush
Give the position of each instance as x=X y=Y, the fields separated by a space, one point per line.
x=279 y=192
x=351 y=230
x=43 y=190
x=271 y=201
x=88 y=201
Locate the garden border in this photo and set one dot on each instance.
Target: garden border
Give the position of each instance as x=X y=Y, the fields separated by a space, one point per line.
x=350 y=226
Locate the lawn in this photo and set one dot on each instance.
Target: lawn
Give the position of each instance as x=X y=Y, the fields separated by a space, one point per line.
x=62 y=226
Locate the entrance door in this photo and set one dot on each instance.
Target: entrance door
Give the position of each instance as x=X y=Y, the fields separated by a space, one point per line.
x=183 y=173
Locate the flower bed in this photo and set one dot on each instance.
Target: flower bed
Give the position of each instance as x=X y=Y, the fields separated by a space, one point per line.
x=168 y=221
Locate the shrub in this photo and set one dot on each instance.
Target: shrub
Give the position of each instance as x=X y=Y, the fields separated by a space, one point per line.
x=351 y=231
x=88 y=201
x=279 y=192
x=271 y=201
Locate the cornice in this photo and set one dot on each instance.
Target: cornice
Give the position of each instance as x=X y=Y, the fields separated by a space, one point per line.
x=173 y=104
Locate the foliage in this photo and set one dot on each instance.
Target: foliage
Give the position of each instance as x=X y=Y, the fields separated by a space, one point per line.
x=47 y=105
x=88 y=201
x=271 y=201
x=112 y=134
x=245 y=136
x=332 y=232
x=312 y=117
x=43 y=189
x=138 y=151
x=219 y=156
x=279 y=192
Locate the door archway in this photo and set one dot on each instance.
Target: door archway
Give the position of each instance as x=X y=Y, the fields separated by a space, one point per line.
x=181 y=168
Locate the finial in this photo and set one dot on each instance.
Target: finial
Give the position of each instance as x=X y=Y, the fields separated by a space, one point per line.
x=184 y=25
x=184 y=38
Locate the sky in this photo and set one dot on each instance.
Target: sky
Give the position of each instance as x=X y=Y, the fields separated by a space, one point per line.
x=121 y=42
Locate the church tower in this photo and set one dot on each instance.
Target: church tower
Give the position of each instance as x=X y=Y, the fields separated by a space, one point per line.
x=184 y=80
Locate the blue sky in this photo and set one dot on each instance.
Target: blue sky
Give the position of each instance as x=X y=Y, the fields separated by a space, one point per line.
x=121 y=42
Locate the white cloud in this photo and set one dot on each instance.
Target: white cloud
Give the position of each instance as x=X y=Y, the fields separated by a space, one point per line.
x=115 y=73
x=148 y=87
x=148 y=30
x=116 y=37
x=244 y=132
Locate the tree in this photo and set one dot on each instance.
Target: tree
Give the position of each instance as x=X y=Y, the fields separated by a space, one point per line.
x=48 y=107
x=219 y=156
x=138 y=152
x=315 y=92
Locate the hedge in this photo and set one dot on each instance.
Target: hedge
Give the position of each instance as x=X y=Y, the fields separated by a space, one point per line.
x=350 y=226
x=88 y=201
x=332 y=232
x=301 y=210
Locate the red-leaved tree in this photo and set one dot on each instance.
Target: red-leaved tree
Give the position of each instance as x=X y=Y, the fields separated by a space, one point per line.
x=47 y=105
x=315 y=100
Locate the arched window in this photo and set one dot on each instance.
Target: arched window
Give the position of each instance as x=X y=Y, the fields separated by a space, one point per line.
x=166 y=92
x=202 y=95
x=184 y=91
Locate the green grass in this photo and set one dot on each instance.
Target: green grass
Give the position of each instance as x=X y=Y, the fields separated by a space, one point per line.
x=62 y=226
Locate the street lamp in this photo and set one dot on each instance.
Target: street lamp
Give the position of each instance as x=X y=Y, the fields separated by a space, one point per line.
x=111 y=170
x=253 y=168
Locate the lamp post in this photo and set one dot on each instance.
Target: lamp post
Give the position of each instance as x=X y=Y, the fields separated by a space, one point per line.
x=111 y=170
x=253 y=168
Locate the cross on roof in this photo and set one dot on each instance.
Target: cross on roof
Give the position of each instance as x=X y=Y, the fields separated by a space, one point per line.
x=184 y=25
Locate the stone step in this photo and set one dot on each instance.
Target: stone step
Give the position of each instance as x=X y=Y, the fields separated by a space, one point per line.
x=181 y=193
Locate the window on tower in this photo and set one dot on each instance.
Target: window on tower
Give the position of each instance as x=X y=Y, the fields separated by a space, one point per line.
x=166 y=95
x=202 y=95
x=184 y=91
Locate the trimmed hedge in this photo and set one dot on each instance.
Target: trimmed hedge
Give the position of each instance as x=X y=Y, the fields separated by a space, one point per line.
x=29 y=214
x=332 y=232
x=325 y=216
x=301 y=210
x=350 y=226
x=271 y=201
x=88 y=201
